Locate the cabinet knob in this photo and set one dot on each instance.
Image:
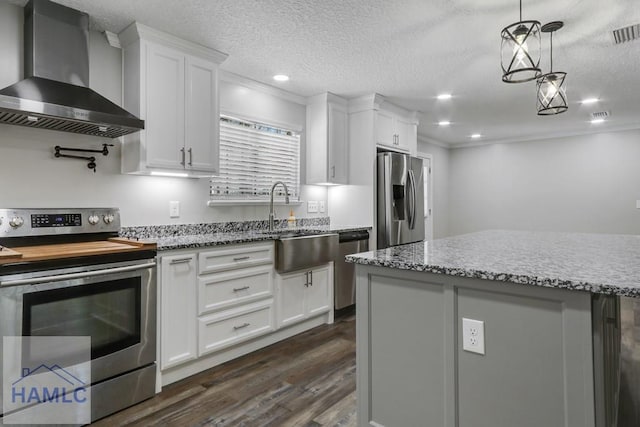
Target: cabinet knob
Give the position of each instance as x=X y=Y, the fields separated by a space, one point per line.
x=183 y=156
x=190 y=156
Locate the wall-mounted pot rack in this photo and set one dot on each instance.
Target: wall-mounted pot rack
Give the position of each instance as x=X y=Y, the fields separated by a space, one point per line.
x=90 y=159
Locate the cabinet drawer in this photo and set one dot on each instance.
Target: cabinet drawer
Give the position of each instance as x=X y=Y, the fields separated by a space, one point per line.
x=225 y=329
x=222 y=290
x=236 y=257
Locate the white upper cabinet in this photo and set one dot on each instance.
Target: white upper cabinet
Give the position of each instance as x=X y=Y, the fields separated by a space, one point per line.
x=394 y=128
x=385 y=128
x=165 y=116
x=396 y=131
x=326 y=141
x=202 y=105
x=172 y=84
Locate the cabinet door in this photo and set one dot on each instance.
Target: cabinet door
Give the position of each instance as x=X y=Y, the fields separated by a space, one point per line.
x=202 y=116
x=338 y=149
x=385 y=128
x=177 y=310
x=318 y=298
x=291 y=290
x=165 y=98
x=407 y=136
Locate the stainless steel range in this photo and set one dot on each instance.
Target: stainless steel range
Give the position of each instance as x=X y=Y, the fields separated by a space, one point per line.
x=65 y=272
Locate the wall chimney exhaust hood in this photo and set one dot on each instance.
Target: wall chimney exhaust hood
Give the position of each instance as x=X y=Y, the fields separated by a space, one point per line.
x=55 y=94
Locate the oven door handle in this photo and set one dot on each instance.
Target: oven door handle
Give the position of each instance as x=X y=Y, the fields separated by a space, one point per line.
x=70 y=276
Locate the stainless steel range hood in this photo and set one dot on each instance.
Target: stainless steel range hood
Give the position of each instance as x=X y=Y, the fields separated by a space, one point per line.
x=55 y=93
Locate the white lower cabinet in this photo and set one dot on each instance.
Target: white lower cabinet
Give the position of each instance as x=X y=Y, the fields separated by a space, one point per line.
x=292 y=289
x=218 y=291
x=319 y=293
x=224 y=329
x=304 y=294
x=178 y=309
x=217 y=304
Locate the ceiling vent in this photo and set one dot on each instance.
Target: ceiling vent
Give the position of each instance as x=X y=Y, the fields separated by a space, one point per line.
x=626 y=34
x=601 y=115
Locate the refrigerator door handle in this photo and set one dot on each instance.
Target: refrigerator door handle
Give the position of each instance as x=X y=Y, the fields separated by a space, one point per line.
x=412 y=200
x=388 y=202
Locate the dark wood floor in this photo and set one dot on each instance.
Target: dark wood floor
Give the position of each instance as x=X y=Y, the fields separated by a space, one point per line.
x=307 y=380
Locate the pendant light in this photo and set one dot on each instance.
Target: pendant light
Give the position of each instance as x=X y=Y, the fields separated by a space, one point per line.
x=520 y=51
x=552 y=91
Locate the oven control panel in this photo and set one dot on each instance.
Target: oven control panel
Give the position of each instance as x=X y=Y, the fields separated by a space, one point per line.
x=56 y=220
x=42 y=222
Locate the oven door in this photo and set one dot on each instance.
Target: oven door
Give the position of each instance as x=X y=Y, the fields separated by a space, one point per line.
x=114 y=304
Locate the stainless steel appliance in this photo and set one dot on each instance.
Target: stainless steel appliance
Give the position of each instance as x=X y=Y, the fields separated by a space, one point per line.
x=616 y=360
x=55 y=93
x=344 y=278
x=72 y=276
x=400 y=199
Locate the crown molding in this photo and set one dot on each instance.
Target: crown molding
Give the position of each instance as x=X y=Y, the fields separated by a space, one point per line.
x=137 y=31
x=545 y=137
x=326 y=97
x=426 y=139
x=377 y=102
x=230 y=77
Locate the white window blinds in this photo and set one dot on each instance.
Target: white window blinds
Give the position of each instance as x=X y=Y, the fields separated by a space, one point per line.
x=252 y=157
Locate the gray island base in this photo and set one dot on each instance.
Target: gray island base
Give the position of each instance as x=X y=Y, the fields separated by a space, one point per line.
x=561 y=331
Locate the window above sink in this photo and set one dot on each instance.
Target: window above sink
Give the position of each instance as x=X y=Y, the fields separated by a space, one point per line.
x=252 y=157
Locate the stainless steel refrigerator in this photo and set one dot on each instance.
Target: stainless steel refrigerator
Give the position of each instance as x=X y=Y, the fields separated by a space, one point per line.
x=400 y=199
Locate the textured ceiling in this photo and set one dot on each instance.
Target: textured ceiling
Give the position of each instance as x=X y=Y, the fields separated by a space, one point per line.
x=411 y=50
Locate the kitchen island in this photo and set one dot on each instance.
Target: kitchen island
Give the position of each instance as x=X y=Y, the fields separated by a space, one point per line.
x=560 y=334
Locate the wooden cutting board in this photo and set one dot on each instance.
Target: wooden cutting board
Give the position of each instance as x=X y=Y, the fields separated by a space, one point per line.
x=72 y=250
x=9 y=254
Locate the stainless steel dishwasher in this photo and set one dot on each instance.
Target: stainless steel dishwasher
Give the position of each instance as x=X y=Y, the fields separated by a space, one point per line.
x=344 y=280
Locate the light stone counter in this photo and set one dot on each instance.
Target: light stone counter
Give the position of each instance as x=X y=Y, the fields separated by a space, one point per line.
x=597 y=263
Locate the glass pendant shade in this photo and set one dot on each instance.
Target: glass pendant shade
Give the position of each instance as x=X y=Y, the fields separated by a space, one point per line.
x=552 y=94
x=520 y=52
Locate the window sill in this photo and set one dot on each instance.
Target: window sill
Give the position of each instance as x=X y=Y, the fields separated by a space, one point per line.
x=217 y=203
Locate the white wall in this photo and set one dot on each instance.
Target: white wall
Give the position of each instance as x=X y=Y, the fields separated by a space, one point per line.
x=439 y=185
x=32 y=177
x=581 y=184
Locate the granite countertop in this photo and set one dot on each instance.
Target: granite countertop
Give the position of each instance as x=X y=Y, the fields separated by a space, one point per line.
x=227 y=238
x=598 y=263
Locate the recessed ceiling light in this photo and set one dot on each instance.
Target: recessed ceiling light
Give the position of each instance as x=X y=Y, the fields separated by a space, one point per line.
x=444 y=123
x=596 y=121
x=476 y=136
x=281 y=78
x=589 y=101
x=444 y=96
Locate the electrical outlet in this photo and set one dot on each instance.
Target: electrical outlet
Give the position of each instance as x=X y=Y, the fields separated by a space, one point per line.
x=637 y=204
x=312 y=206
x=321 y=206
x=473 y=335
x=174 y=209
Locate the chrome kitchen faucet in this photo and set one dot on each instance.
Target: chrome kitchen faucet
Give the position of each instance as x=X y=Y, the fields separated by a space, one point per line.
x=286 y=200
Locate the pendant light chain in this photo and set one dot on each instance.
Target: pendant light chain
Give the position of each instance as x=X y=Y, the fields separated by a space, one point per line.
x=520 y=10
x=551 y=51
